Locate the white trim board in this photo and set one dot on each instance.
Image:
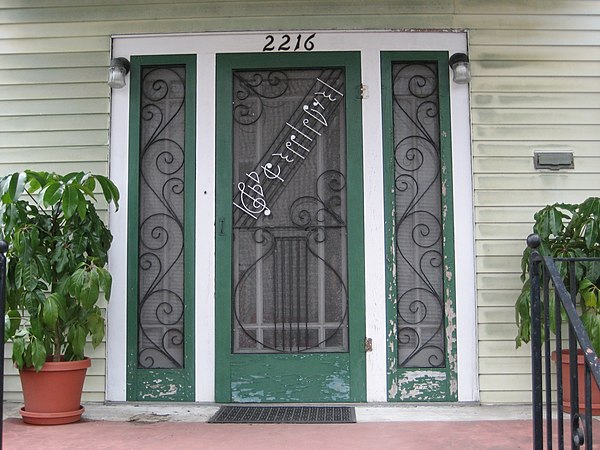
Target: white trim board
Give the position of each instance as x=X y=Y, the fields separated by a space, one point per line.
x=370 y=44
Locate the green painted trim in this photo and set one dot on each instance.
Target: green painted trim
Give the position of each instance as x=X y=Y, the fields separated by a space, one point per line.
x=433 y=384
x=225 y=361
x=297 y=378
x=142 y=383
x=223 y=245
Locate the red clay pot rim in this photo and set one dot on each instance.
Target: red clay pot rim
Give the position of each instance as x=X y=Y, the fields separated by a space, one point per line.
x=62 y=366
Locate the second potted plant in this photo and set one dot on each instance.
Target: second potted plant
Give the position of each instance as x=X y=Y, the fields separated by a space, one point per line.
x=57 y=256
x=567 y=231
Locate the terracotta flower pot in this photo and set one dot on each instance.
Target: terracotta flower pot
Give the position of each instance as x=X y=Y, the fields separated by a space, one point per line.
x=581 y=384
x=53 y=395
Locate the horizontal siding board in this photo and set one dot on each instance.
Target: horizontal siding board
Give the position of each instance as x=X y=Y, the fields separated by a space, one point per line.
x=491 y=165
x=248 y=8
x=498 y=314
x=542 y=180
x=52 y=60
x=524 y=166
x=491 y=299
x=523 y=133
x=499 y=281
x=567 y=100
x=584 y=21
x=54 y=138
x=512 y=366
x=55 y=91
x=538 y=116
x=507 y=396
x=63 y=75
x=542 y=7
x=51 y=155
x=496 y=349
x=500 y=382
x=497 y=332
x=59 y=167
x=499 y=247
x=499 y=264
x=505 y=214
x=529 y=85
x=54 y=106
x=536 y=52
x=52 y=45
x=526 y=149
x=522 y=68
x=194 y=24
x=502 y=231
x=534 y=37
x=536 y=198
x=55 y=122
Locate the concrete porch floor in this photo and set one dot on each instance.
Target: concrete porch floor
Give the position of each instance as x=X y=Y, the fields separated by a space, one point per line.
x=379 y=426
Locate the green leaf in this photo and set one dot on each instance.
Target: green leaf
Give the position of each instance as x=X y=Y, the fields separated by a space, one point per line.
x=44 y=267
x=590 y=207
x=81 y=205
x=76 y=339
x=38 y=354
x=36 y=180
x=16 y=186
x=522 y=316
x=589 y=293
x=12 y=320
x=105 y=282
x=77 y=282
x=549 y=221
x=91 y=290
x=52 y=193
x=591 y=323
x=27 y=275
x=95 y=325
x=51 y=309
x=18 y=352
x=70 y=201
x=109 y=189
x=592 y=233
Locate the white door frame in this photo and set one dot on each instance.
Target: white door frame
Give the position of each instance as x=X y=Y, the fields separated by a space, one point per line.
x=370 y=44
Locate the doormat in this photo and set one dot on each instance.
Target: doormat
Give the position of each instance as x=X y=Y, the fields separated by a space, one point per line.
x=284 y=414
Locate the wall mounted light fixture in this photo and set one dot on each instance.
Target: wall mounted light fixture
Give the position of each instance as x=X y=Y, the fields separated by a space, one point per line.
x=118 y=70
x=461 y=70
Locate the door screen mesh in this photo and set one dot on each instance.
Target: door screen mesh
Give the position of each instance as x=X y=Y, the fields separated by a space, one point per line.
x=289 y=211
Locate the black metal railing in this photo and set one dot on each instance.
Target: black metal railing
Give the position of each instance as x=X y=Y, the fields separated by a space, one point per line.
x=551 y=300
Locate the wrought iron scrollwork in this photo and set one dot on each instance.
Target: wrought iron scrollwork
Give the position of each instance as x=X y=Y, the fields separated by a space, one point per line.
x=418 y=226
x=294 y=256
x=161 y=305
x=252 y=90
x=289 y=281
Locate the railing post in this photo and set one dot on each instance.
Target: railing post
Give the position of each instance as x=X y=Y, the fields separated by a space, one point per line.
x=533 y=242
x=3 y=250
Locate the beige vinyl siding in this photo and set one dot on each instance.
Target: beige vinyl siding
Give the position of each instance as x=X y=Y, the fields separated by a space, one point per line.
x=535 y=86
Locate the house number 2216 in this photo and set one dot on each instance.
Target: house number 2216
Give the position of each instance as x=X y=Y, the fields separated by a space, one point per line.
x=289 y=43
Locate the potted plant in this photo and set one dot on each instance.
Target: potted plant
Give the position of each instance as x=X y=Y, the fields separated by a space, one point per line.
x=567 y=231
x=56 y=271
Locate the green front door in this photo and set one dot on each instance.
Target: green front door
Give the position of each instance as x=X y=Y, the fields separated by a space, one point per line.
x=289 y=276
